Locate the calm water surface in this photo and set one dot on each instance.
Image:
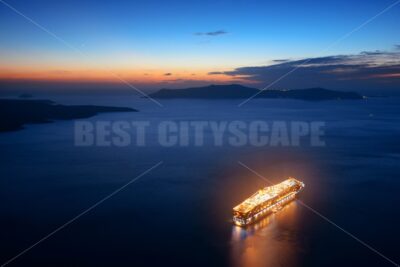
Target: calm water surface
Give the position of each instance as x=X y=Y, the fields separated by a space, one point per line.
x=180 y=213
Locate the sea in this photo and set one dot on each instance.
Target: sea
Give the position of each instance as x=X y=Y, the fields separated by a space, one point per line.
x=148 y=204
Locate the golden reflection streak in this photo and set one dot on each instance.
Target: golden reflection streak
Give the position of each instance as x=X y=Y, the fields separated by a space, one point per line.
x=268 y=242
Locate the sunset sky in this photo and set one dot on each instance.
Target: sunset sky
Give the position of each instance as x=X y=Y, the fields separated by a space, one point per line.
x=182 y=43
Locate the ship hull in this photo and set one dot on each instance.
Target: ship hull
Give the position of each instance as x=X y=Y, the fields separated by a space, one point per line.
x=274 y=206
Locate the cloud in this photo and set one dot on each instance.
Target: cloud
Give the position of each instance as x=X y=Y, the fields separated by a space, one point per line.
x=366 y=70
x=216 y=72
x=214 y=33
x=280 y=60
x=168 y=74
x=376 y=52
x=397 y=47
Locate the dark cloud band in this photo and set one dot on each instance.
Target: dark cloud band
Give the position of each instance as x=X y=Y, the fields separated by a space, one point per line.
x=367 y=70
x=214 y=33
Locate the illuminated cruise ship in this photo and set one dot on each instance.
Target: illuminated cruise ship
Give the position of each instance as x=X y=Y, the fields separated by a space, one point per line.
x=266 y=201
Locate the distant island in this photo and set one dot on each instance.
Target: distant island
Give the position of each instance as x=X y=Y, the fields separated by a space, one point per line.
x=237 y=91
x=15 y=113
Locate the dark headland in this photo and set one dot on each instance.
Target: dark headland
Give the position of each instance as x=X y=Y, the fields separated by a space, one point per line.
x=15 y=113
x=236 y=91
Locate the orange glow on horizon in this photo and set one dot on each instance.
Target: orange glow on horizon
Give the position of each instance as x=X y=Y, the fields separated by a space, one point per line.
x=147 y=76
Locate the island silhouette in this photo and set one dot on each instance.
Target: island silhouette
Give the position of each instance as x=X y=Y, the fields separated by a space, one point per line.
x=15 y=113
x=237 y=91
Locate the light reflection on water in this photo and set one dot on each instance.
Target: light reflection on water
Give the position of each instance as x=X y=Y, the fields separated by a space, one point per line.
x=270 y=242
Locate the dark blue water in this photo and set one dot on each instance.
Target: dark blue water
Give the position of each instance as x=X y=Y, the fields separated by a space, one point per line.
x=179 y=213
